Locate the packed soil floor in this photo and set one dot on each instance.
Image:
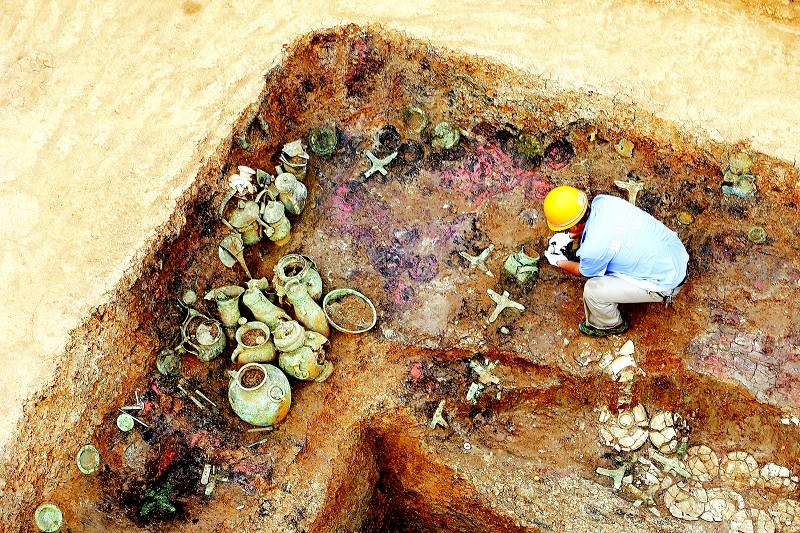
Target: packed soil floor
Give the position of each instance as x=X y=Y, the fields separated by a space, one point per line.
x=521 y=442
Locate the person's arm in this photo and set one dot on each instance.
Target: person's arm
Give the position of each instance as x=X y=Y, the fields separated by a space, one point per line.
x=573 y=267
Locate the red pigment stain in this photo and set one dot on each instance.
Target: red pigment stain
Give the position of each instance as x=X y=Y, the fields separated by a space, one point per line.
x=491 y=171
x=340 y=198
x=148 y=406
x=399 y=294
x=155 y=389
x=250 y=468
x=165 y=461
x=196 y=438
x=416 y=370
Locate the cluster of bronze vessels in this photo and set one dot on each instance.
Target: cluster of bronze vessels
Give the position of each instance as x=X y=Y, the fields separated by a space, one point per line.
x=255 y=209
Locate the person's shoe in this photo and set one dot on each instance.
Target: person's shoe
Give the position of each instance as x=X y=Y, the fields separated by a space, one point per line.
x=592 y=331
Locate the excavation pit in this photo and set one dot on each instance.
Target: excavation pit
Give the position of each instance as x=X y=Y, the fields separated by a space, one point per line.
x=356 y=452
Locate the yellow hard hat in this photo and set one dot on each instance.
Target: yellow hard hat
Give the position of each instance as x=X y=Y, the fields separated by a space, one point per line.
x=564 y=206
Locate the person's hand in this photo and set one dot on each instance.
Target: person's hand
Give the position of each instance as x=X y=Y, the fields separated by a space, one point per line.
x=554 y=252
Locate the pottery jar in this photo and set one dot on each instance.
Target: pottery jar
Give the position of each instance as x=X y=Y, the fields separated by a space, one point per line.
x=244 y=219
x=307 y=362
x=291 y=193
x=253 y=344
x=227 y=299
x=259 y=394
x=263 y=310
x=203 y=337
x=306 y=310
x=297 y=267
x=289 y=336
x=274 y=216
x=295 y=159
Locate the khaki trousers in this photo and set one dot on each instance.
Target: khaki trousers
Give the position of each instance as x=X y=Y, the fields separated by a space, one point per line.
x=602 y=294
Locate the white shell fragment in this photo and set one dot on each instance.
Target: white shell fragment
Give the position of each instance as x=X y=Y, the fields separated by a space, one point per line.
x=627 y=348
x=786 y=515
x=646 y=473
x=295 y=149
x=242 y=184
x=686 y=501
x=752 y=521
x=777 y=478
x=702 y=462
x=722 y=504
x=246 y=171
x=625 y=431
x=663 y=434
x=739 y=470
x=666 y=482
x=623 y=368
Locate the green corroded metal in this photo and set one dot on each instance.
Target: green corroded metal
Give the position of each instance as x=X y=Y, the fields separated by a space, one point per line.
x=740 y=163
x=230 y=251
x=243 y=218
x=306 y=310
x=277 y=227
x=48 y=517
x=682 y=447
x=414 y=119
x=340 y=293
x=616 y=475
x=262 y=123
x=378 y=165
x=263 y=310
x=291 y=193
x=241 y=140
x=125 y=422
x=757 y=235
x=529 y=145
x=157 y=500
x=522 y=266
x=322 y=140
x=261 y=352
x=266 y=401
x=297 y=267
x=88 y=459
x=262 y=178
x=202 y=336
x=473 y=392
x=633 y=186
x=743 y=186
x=445 y=136
x=438 y=418
x=294 y=159
x=671 y=463
x=289 y=336
x=227 y=299
x=308 y=361
x=168 y=362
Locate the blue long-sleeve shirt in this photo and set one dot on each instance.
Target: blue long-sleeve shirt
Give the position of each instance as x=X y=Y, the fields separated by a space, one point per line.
x=622 y=240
